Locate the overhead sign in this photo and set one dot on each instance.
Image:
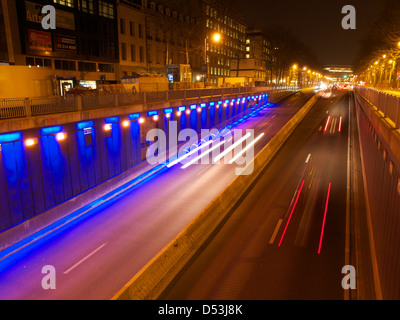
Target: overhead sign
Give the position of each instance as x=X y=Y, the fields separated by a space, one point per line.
x=40 y=40
x=66 y=43
x=34 y=14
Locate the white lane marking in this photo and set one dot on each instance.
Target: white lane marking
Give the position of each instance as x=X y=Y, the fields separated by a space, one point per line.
x=308 y=158
x=85 y=258
x=271 y=241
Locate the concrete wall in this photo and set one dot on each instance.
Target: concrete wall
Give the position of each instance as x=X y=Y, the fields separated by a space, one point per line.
x=43 y=182
x=22 y=81
x=380 y=145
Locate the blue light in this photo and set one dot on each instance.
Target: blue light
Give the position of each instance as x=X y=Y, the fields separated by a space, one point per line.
x=193 y=106
x=152 y=113
x=83 y=125
x=203 y=105
x=168 y=111
x=212 y=104
x=112 y=120
x=180 y=109
x=134 y=116
x=50 y=130
x=219 y=102
x=9 y=137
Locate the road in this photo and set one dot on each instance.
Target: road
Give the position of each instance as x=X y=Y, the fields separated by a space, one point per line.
x=289 y=237
x=95 y=257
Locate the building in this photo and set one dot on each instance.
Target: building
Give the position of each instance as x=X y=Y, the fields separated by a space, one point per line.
x=339 y=73
x=222 y=51
x=82 y=50
x=132 y=38
x=258 y=57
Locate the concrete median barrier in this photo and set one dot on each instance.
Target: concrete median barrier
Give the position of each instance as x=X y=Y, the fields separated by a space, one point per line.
x=153 y=279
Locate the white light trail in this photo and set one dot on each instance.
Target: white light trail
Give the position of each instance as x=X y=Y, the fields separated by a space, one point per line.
x=203 y=155
x=247 y=148
x=188 y=154
x=223 y=154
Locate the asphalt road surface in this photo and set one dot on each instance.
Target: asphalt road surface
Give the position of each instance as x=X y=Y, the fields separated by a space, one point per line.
x=287 y=239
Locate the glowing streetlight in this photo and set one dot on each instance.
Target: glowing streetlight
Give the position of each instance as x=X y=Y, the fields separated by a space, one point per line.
x=217 y=37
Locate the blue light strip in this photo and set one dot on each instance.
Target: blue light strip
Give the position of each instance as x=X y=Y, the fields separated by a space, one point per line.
x=152 y=113
x=168 y=111
x=134 y=116
x=10 y=137
x=50 y=130
x=112 y=120
x=83 y=125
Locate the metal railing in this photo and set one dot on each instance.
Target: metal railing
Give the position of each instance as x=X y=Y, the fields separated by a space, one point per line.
x=20 y=108
x=386 y=103
x=12 y=108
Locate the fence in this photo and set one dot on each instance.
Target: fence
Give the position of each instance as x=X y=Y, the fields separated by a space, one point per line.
x=21 y=108
x=386 y=103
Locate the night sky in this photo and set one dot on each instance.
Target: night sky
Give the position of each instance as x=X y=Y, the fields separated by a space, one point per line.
x=318 y=23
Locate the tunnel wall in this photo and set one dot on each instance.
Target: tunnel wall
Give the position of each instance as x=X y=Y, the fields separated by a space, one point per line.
x=42 y=168
x=382 y=175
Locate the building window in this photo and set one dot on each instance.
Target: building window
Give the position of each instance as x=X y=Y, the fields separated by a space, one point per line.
x=86 y=6
x=133 y=52
x=30 y=61
x=122 y=25
x=140 y=31
x=132 y=28
x=102 y=67
x=106 y=9
x=123 y=51
x=141 y=54
x=65 y=65
x=68 y=3
x=87 y=66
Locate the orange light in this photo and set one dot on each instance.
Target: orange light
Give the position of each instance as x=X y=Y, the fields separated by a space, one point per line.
x=178 y=113
x=155 y=118
x=217 y=37
x=141 y=120
x=126 y=124
x=187 y=111
x=108 y=127
x=198 y=109
x=31 y=142
x=61 y=136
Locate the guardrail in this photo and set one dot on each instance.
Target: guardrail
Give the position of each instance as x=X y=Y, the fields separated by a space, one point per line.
x=27 y=107
x=386 y=103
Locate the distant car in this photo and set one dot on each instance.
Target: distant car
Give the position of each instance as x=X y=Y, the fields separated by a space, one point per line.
x=327 y=95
